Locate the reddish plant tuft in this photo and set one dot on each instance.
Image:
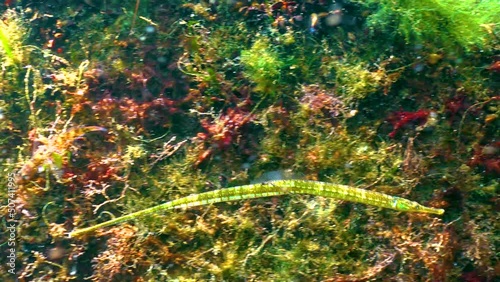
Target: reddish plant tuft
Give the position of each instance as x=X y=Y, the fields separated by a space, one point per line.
x=143 y=115
x=487 y=157
x=455 y=105
x=222 y=132
x=495 y=67
x=401 y=119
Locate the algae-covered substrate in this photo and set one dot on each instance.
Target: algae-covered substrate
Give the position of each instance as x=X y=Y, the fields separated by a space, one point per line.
x=261 y=121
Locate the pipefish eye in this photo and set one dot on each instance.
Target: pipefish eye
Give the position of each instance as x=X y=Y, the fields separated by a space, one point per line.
x=404 y=205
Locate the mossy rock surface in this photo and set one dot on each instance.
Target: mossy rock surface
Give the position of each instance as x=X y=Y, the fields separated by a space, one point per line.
x=111 y=107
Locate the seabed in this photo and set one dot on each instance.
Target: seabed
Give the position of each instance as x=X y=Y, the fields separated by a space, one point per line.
x=111 y=107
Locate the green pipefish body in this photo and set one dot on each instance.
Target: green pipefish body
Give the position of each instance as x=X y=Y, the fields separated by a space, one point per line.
x=276 y=188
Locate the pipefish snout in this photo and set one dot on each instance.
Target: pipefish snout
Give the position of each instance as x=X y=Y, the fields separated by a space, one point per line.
x=275 y=188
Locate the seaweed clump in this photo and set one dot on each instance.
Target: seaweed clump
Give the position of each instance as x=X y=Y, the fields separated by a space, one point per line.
x=445 y=22
x=262 y=66
x=12 y=35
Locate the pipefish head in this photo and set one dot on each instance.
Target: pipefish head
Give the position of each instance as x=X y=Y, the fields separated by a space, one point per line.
x=402 y=204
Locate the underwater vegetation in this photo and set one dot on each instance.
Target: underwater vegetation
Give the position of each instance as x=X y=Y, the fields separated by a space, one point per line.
x=262 y=65
x=469 y=24
x=192 y=123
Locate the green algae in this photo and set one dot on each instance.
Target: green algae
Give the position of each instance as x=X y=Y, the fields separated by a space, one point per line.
x=355 y=80
x=6 y=46
x=262 y=66
x=12 y=34
x=468 y=23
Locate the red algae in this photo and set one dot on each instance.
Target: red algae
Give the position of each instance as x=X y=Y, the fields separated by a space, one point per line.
x=494 y=67
x=488 y=157
x=401 y=119
x=221 y=132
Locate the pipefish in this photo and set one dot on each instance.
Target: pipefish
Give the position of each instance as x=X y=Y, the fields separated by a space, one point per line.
x=274 y=188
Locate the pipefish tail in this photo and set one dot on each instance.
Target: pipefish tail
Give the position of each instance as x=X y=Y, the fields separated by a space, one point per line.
x=274 y=188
